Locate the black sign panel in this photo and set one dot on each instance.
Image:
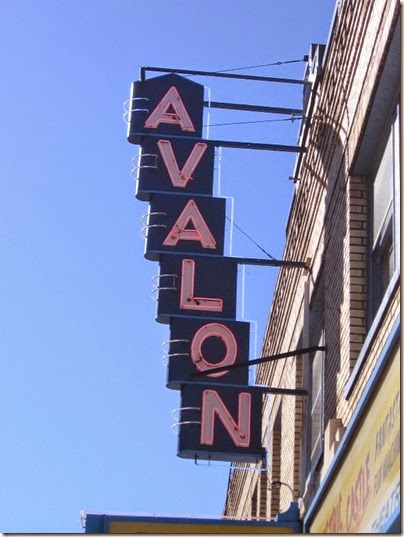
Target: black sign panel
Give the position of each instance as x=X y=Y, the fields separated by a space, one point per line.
x=184 y=224
x=196 y=286
x=169 y=165
x=200 y=345
x=221 y=423
x=170 y=105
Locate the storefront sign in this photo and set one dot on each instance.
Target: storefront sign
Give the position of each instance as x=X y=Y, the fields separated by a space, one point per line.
x=197 y=286
x=365 y=494
x=286 y=522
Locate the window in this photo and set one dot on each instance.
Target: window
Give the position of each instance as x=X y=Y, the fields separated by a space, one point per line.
x=276 y=462
x=377 y=162
x=313 y=442
x=313 y=378
x=384 y=208
x=316 y=410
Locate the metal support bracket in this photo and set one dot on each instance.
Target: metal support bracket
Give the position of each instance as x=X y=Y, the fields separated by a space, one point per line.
x=230 y=143
x=263 y=359
x=221 y=75
x=270 y=262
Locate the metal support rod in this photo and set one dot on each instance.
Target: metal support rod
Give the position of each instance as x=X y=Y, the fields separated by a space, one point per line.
x=262 y=389
x=228 y=143
x=284 y=391
x=222 y=75
x=254 y=108
x=259 y=146
x=270 y=262
x=263 y=359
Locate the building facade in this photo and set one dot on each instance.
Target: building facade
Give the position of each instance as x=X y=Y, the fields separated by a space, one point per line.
x=336 y=451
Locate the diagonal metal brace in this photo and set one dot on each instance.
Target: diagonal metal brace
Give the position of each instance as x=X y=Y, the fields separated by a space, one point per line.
x=271 y=262
x=254 y=108
x=263 y=359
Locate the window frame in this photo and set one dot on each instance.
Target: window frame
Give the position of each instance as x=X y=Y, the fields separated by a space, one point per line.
x=388 y=234
x=316 y=448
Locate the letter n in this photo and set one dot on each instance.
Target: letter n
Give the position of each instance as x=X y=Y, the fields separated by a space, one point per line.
x=213 y=405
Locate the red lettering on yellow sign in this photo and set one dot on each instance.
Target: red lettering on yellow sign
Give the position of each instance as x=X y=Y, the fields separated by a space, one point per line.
x=358 y=498
x=355 y=505
x=335 y=524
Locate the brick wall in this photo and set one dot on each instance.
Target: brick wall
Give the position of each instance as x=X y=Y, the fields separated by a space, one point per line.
x=328 y=225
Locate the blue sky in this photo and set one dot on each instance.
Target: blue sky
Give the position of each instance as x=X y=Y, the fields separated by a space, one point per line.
x=86 y=416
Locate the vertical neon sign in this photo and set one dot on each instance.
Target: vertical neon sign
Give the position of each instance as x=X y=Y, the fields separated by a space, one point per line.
x=185 y=234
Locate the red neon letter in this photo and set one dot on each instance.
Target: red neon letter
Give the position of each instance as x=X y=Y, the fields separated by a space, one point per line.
x=213 y=330
x=178 y=115
x=187 y=299
x=239 y=432
x=200 y=232
x=179 y=177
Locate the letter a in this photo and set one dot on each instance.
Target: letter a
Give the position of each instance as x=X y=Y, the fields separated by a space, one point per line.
x=239 y=432
x=170 y=109
x=200 y=233
x=180 y=178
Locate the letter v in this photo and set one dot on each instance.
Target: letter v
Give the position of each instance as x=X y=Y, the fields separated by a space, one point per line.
x=180 y=178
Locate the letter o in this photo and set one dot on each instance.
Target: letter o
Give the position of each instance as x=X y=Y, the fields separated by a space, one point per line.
x=213 y=330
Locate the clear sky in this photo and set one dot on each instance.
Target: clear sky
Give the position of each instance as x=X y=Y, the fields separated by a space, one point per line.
x=85 y=414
